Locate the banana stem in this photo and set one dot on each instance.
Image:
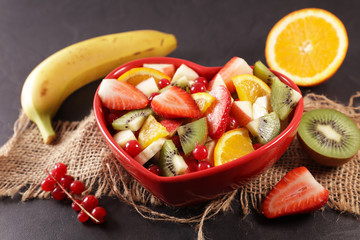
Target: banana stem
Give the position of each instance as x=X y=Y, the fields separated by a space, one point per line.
x=46 y=129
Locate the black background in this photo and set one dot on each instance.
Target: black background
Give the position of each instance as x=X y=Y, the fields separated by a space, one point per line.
x=209 y=33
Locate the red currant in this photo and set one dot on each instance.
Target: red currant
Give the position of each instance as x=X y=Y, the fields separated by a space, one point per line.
x=163 y=83
x=257 y=146
x=48 y=184
x=61 y=169
x=89 y=202
x=203 y=165
x=82 y=216
x=132 y=147
x=58 y=193
x=76 y=187
x=155 y=169
x=197 y=87
x=200 y=152
x=232 y=124
x=99 y=213
x=66 y=180
x=75 y=206
x=151 y=97
x=201 y=80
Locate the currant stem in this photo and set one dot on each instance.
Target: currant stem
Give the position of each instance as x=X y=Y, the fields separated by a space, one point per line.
x=72 y=199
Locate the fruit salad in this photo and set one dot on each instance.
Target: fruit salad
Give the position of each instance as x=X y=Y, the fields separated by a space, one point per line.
x=174 y=122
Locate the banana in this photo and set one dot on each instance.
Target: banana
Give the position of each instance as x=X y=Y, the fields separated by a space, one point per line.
x=67 y=70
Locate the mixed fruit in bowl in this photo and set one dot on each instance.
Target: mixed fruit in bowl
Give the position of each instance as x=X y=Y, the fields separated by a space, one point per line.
x=174 y=121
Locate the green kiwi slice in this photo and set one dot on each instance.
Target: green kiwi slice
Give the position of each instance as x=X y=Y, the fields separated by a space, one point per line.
x=132 y=120
x=193 y=133
x=283 y=98
x=265 y=128
x=264 y=73
x=170 y=161
x=330 y=137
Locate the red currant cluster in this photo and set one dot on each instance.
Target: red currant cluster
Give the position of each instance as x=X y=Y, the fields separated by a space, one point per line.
x=59 y=184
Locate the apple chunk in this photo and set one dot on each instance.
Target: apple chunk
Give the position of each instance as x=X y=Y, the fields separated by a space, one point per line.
x=168 y=69
x=242 y=111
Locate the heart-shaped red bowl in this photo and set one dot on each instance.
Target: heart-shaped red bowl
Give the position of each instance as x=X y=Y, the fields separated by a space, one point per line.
x=207 y=184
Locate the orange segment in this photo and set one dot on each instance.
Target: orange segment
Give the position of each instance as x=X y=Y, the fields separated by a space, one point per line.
x=232 y=145
x=136 y=75
x=203 y=100
x=307 y=45
x=250 y=88
x=151 y=131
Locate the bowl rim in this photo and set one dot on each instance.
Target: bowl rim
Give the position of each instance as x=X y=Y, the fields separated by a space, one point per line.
x=97 y=108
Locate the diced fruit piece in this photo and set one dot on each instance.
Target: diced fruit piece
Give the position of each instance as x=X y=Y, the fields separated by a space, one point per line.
x=203 y=100
x=218 y=114
x=232 y=68
x=283 y=98
x=249 y=87
x=171 y=125
x=297 y=192
x=147 y=87
x=232 y=145
x=330 y=137
x=193 y=133
x=182 y=83
x=264 y=73
x=151 y=131
x=132 y=147
x=150 y=151
x=121 y=95
x=242 y=112
x=132 y=120
x=136 y=75
x=122 y=137
x=184 y=70
x=175 y=103
x=170 y=161
x=265 y=128
x=218 y=80
x=210 y=146
x=166 y=68
x=261 y=106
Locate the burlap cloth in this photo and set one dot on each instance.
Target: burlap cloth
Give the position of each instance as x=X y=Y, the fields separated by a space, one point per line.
x=24 y=158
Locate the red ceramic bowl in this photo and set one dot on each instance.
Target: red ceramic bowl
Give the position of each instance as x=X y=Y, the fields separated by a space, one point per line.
x=206 y=184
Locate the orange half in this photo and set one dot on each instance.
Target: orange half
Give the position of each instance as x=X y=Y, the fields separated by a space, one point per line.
x=307 y=45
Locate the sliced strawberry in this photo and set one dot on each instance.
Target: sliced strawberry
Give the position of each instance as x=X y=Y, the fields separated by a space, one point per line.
x=175 y=103
x=232 y=68
x=297 y=192
x=218 y=115
x=171 y=125
x=117 y=95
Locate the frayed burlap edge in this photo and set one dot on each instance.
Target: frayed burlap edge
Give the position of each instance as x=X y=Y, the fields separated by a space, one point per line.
x=106 y=177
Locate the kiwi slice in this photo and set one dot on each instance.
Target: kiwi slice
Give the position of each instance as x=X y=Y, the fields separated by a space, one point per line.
x=283 y=98
x=170 y=161
x=265 y=128
x=193 y=133
x=330 y=137
x=182 y=83
x=264 y=73
x=132 y=120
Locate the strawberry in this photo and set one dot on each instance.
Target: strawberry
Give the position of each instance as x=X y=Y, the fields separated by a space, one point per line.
x=175 y=102
x=218 y=114
x=297 y=192
x=117 y=95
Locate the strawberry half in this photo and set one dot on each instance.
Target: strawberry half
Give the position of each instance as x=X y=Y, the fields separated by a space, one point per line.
x=297 y=192
x=218 y=115
x=171 y=125
x=175 y=102
x=117 y=95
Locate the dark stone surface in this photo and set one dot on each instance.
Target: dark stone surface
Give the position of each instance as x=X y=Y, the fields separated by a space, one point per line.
x=209 y=33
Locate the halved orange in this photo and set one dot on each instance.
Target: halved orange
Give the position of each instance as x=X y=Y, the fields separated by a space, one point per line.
x=307 y=45
x=203 y=100
x=232 y=145
x=136 y=75
x=250 y=88
x=151 y=131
